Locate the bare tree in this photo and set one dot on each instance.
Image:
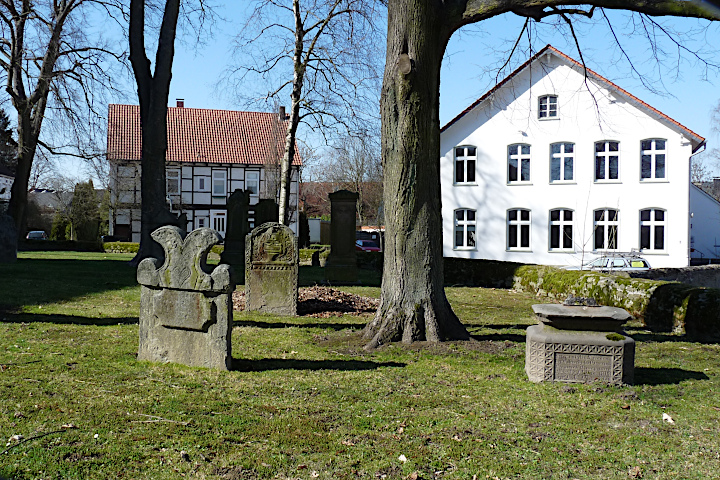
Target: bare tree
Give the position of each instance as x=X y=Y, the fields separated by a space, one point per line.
x=53 y=68
x=321 y=51
x=413 y=306
x=355 y=165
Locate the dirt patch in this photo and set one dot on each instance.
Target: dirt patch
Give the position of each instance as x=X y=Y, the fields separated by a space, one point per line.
x=236 y=473
x=323 y=302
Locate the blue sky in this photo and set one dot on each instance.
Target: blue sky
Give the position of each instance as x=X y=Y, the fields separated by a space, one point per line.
x=686 y=90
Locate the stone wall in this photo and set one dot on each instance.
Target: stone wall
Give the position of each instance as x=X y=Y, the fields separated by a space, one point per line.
x=707 y=276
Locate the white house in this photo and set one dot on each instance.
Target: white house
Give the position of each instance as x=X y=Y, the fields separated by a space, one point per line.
x=556 y=164
x=6 y=181
x=210 y=154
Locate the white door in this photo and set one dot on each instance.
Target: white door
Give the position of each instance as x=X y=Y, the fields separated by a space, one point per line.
x=217 y=220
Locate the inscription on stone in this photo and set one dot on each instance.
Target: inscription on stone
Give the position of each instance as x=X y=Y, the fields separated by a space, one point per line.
x=577 y=367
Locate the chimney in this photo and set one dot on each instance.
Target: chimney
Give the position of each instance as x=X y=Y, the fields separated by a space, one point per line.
x=281 y=113
x=180 y=103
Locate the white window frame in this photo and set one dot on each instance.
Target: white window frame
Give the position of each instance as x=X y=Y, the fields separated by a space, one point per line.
x=467 y=226
x=606 y=156
x=547 y=107
x=608 y=226
x=219 y=176
x=652 y=224
x=518 y=224
x=561 y=157
x=202 y=183
x=465 y=164
x=519 y=158
x=200 y=222
x=653 y=155
x=170 y=175
x=256 y=174
x=561 y=224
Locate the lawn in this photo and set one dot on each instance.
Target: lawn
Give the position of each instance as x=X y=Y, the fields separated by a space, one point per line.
x=305 y=401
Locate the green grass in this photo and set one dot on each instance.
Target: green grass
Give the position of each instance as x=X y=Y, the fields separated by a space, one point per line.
x=305 y=401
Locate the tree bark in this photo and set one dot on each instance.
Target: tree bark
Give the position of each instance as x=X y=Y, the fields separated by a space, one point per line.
x=413 y=306
x=153 y=91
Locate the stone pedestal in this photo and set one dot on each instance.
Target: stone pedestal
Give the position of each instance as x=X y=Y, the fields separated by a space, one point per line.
x=579 y=345
x=341 y=266
x=238 y=226
x=185 y=310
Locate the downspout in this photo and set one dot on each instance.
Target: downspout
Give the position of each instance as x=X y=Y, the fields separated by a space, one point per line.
x=699 y=149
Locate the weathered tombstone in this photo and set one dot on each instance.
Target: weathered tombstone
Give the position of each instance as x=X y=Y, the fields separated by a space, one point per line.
x=271 y=270
x=579 y=342
x=266 y=210
x=341 y=265
x=238 y=226
x=8 y=239
x=185 y=310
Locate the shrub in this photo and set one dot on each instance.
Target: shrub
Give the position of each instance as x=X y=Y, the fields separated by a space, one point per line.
x=121 y=247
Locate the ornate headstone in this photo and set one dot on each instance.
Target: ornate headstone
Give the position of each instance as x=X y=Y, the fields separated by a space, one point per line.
x=238 y=226
x=185 y=309
x=271 y=270
x=579 y=342
x=341 y=265
x=8 y=239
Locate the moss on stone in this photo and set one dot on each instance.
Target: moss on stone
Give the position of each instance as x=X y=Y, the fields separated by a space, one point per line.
x=615 y=337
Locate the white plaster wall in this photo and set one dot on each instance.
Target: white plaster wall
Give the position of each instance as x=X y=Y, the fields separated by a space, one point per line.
x=704 y=224
x=510 y=116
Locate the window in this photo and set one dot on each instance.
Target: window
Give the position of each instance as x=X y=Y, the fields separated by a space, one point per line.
x=200 y=222
x=252 y=183
x=172 y=182
x=607 y=160
x=561 y=229
x=652 y=159
x=518 y=229
x=547 y=106
x=562 y=161
x=465 y=228
x=518 y=163
x=219 y=183
x=652 y=229
x=465 y=160
x=606 y=229
x=202 y=184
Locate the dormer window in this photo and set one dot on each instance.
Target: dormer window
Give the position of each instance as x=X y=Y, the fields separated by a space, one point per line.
x=547 y=106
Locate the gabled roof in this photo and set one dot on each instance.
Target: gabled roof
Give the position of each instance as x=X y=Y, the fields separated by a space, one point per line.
x=697 y=139
x=200 y=135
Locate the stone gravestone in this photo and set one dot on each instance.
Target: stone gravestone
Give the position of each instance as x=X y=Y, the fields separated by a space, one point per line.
x=579 y=343
x=8 y=239
x=266 y=210
x=271 y=270
x=238 y=226
x=341 y=265
x=185 y=310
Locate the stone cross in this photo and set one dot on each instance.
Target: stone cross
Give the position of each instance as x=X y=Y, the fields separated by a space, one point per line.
x=341 y=265
x=271 y=270
x=185 y=308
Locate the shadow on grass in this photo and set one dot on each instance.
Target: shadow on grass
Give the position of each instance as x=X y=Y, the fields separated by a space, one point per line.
x=8 y=317
x=665 y=376
x=499 y=337
x=332 y=326
x=266 y=364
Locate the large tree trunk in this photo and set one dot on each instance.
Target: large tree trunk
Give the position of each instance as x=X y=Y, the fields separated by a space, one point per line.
x=413 y=305
x=27 y=144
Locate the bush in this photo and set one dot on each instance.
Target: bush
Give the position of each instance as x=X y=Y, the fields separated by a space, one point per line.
x=121 y=247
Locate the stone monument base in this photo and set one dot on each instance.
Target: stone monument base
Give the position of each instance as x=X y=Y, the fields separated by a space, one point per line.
x=341 y=273
x=578 y=356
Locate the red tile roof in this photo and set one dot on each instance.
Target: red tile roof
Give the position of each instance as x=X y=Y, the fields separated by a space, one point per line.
x=200 y=135
x=591 y=74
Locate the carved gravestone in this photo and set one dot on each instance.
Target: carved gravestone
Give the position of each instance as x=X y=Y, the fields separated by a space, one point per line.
x=341 y=265
x=238 y=226
x=8 y=239
x=271 y=270
x=185 y=309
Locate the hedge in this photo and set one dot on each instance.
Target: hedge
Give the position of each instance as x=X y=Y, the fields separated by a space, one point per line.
x=133 y=247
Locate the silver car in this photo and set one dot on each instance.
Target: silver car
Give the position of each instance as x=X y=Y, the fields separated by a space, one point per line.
x=615 y=263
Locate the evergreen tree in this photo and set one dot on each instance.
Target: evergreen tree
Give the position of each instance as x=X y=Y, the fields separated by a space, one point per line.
x=8 y=145
x=84 y=212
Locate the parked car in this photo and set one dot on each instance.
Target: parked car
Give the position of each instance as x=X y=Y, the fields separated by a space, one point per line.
x=366 y=246
x=37 y=235
x=615 y=262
